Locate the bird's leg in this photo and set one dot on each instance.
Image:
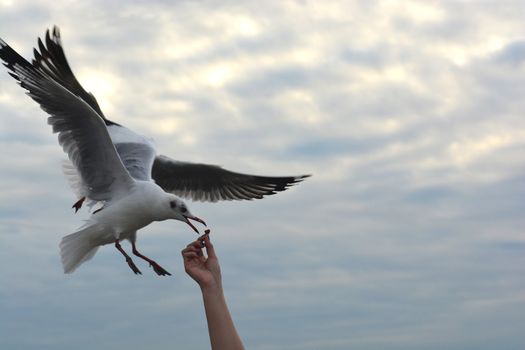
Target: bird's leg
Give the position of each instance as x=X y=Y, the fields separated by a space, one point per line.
x=156 y=267
x=78 y=204
x=128 y=258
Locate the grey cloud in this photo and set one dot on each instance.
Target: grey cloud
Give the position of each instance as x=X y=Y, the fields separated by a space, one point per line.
x=405 y=237
x=268 y=83
x=513 y=53
x=366 y=57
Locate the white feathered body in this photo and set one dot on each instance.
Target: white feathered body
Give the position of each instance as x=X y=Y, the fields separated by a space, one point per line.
x=109 y=164
x=119 y=219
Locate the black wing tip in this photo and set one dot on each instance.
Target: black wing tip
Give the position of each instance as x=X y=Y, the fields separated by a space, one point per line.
x=16 y=77
x=292 y=180
x=282 y=184
x=271 y=185
x=57 y=37
x=301 y=177
x=53 y=36
x=11 y=58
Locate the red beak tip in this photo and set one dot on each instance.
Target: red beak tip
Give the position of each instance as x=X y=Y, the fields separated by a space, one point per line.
x=188 y=218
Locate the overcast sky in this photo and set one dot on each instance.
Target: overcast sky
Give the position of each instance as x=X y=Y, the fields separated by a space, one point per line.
x=409 y=115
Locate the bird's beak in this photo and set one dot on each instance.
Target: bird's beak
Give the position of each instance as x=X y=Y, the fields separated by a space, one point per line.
x=196 y=219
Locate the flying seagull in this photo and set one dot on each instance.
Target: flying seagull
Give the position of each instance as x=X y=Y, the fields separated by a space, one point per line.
x=117 y=168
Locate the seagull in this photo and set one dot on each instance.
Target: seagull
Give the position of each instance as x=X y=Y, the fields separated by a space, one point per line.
x=116 y=169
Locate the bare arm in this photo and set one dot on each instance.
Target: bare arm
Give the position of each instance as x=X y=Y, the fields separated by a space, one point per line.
x=207 y=273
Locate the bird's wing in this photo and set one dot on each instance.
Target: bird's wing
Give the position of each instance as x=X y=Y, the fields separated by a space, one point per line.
x=136 y=151
x=211 y=183
x=82 y=132
x=197 y=181
x=51 y=59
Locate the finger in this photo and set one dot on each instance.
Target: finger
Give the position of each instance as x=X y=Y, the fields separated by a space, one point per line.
x=196 y=244
x=192 y=244
x=192 y=249
x=210 y=250
x=190 y=255
x=188 y=248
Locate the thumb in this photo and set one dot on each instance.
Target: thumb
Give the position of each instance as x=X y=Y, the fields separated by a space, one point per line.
x=210 y=250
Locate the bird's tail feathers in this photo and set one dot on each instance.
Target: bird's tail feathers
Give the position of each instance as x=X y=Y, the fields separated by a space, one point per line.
x=79 y=247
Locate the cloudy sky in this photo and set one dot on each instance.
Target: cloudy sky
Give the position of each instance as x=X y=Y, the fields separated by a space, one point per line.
x=409 y=115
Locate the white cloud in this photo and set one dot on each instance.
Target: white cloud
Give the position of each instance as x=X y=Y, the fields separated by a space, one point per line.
x=409 y=115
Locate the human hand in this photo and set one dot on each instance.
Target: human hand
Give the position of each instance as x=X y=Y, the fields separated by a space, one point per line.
x=204 y=270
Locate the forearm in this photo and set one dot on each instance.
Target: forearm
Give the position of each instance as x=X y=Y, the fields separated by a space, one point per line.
x=223 y=334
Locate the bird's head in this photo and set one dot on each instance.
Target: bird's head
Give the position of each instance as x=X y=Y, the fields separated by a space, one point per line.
x=179 y=211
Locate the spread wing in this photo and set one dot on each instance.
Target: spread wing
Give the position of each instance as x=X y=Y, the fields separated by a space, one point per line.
x=203 y=182
x=195 y=181
x=82 y=132
x=136 y=151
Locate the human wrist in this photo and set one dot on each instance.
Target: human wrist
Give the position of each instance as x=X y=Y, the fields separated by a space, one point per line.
x=211 y=288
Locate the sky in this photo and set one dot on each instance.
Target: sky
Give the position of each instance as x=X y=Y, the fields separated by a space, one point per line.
x=408 y=114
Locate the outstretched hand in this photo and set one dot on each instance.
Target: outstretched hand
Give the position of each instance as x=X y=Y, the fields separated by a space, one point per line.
x=201 y=263
x=203 y=268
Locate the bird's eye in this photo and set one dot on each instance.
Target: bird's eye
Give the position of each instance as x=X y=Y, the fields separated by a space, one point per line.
x=173 y=204
x=183 y=209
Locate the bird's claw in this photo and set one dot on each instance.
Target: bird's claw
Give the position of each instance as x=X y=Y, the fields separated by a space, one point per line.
x=133 y=267
x=159 y=270
x=78 y=204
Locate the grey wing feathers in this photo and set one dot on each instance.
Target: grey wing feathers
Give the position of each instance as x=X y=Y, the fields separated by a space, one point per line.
x=51 y=59
x=81 y=131
x=202 y=182
x=137 y=158
x=136 y=151
x=211 y=183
